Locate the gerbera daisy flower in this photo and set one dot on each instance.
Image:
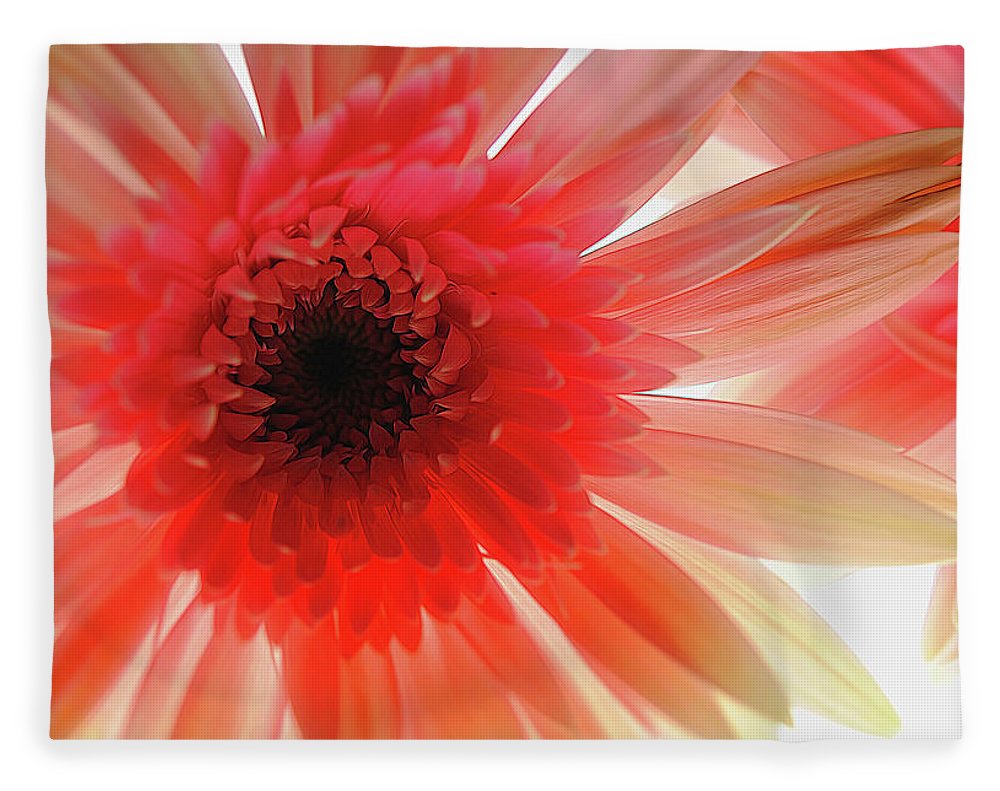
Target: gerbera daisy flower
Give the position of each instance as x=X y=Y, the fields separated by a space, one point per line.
x=351 y=441
x=896 y=378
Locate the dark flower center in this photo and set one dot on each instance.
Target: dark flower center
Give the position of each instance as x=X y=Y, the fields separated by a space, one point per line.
x=336 y=373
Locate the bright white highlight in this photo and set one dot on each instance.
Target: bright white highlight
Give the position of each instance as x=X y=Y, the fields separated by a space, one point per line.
x=568 y=62
x=238 y=63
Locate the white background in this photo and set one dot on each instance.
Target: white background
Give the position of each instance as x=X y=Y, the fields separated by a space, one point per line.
x=32 y=761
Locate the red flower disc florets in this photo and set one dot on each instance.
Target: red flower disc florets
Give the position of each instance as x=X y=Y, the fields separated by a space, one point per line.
x=355 y=361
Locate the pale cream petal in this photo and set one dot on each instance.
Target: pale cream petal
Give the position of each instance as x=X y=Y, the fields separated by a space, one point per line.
x=787 y=503
x=819 y=670
x=760 y=315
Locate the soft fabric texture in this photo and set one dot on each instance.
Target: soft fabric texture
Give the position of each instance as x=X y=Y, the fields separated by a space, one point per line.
x=377 y=418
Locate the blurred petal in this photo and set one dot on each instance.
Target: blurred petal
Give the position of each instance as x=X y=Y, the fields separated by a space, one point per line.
x=447 y=692
x=241 y=672
x=938 y=451
x=89 y=183
x=808 y=102
x=660 y=602
x=895 y=380
x=789 y=499
x=104 y=92
x=165 y=684
x=941 y=625
x=802 y=437
x=93 y=650
x=683 y=260
x=282 y=76
x=616 y=651
x=902 y=152
x=509 y=78
x=619 y=100
x=757 y=316
x=195 y=86
x=369 y=696
x=335 y=69
x=312 y=669
x=817 y=667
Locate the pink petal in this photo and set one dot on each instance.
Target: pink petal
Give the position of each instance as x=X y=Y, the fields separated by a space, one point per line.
x=621 y=99
x=758 y=316
x=808 y=102
x=194 y=84
x=789 y=500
